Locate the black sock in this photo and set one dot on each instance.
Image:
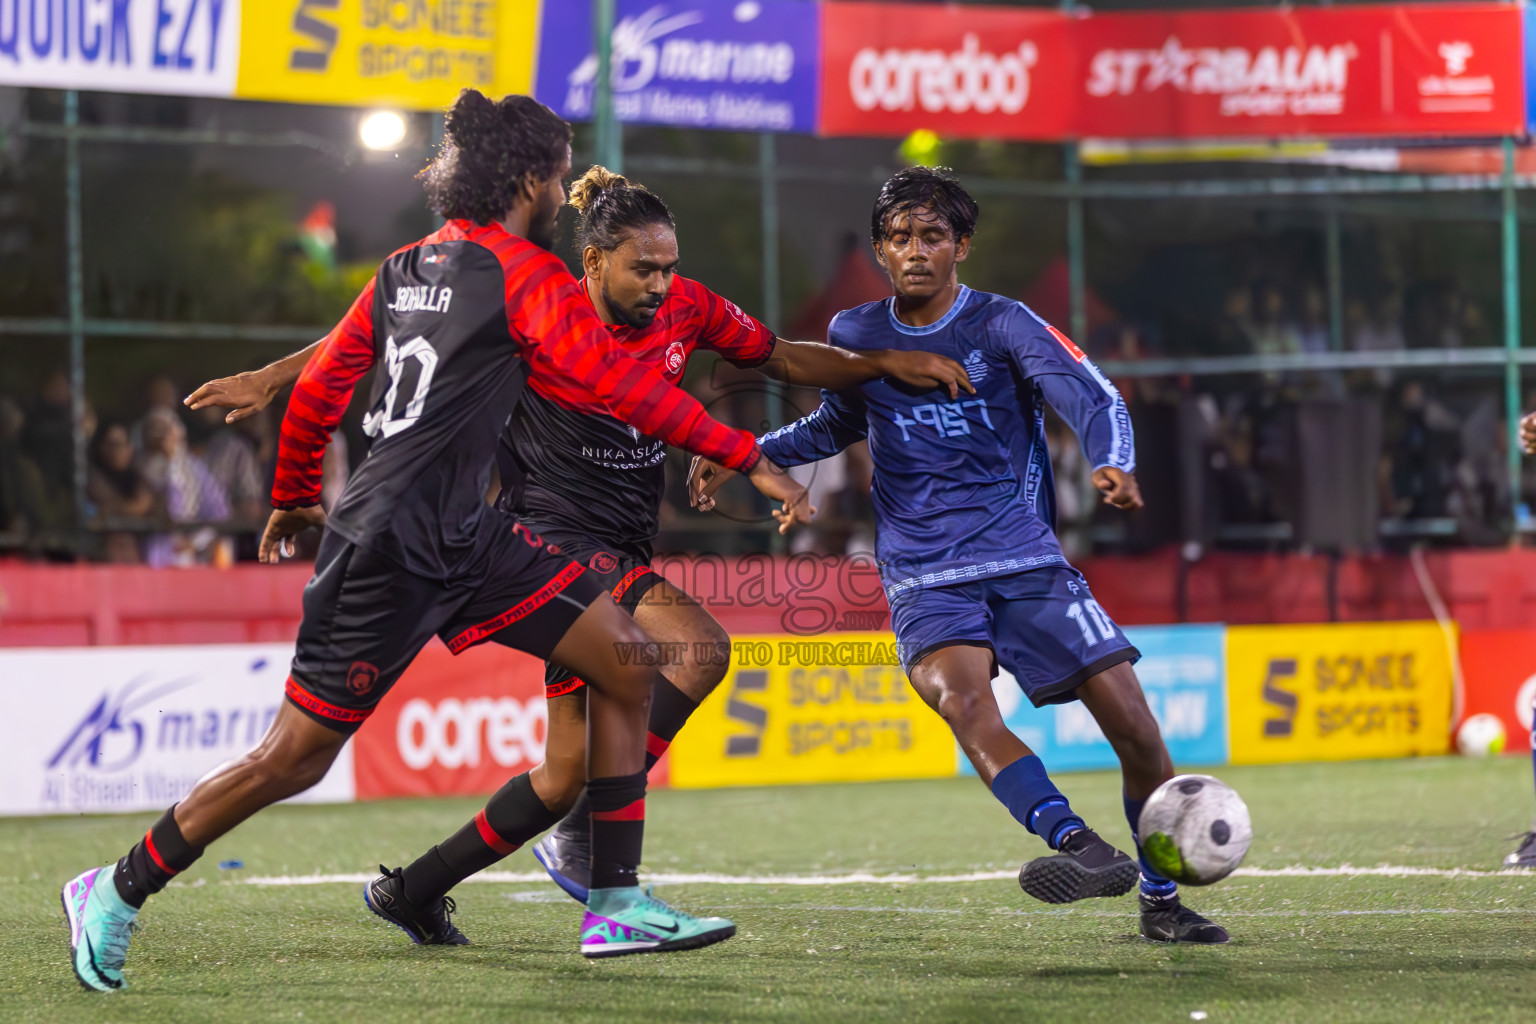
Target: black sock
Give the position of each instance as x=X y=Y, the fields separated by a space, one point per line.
x=510 y=818
x=618 y=829
x=670 y=708
x=154 y=860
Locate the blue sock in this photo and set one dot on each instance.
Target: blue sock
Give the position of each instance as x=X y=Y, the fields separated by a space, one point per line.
x=1153 y=885
x=1033 y=799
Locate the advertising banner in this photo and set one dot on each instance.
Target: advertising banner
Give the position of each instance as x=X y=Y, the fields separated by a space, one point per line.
x=1338 y=692
x=1182 y=672
x=1388 y=70
x=109 y=729
x=183 y=47
x=795 y=710
x=1498 y=670
x=385 y=52
x=691 y=63
x=966 y=72
x=454 y=725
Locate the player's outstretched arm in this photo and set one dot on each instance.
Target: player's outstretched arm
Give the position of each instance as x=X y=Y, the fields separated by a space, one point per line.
x=246 y=394
x=812 y=364
x=320 y=397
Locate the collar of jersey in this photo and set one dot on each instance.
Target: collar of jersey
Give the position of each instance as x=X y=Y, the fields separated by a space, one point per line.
x=937 y=325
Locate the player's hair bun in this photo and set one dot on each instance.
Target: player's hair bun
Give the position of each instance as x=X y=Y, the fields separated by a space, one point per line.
x=472 y=118
x=587 y=189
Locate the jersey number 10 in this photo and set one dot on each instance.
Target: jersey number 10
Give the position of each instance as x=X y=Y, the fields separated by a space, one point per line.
x=384 y=420
x=1089 y=616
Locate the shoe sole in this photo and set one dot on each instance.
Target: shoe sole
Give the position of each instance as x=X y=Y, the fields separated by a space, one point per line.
x=698 y=941
x=1185 y=942
x=1063 y=880
x=567 y=885
x=74 y=946
x=412 y=935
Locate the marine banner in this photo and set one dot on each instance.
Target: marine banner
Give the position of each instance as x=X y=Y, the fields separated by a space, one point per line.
x=1182 y=672
x=690 y=63
x=1338 y=692
x=183 y=47
x=108 y=729
x=405 y=53
x=799 y=710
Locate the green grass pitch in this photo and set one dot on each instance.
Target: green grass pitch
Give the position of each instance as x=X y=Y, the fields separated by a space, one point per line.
x=1332 y=947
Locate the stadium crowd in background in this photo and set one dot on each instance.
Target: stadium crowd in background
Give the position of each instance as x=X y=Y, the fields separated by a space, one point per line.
x=166 y=488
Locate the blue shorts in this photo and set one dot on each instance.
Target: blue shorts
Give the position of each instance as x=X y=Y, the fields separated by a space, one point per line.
x=1042 y=625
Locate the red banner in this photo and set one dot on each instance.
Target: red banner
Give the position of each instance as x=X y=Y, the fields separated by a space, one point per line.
x=457 y=726
x=969 y=72
x=1499 y=671
x=966 y=72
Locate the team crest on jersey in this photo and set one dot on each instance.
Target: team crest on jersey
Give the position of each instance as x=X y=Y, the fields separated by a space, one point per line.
x=676 y=356
x=603 y=562
x=976 y=366
x=361 y=677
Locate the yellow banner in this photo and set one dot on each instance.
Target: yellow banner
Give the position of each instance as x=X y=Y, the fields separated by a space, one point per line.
x=812 y=710
x=396 y=53
x=1338 y=692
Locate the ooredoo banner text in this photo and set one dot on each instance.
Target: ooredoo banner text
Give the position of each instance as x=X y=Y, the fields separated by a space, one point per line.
x=889 y=69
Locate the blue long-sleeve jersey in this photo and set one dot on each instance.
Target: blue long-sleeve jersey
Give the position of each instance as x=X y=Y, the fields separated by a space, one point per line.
x=963 y=488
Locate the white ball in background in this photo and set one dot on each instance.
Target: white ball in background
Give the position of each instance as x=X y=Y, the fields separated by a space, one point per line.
x=1481 y=736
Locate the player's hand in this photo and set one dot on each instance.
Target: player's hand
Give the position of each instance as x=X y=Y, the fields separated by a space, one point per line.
x=794 y=500
x=286 y=524
x=704 y=479
x=927 y=370
x=244 y=394
x=1118 y=487
x=1528 y=433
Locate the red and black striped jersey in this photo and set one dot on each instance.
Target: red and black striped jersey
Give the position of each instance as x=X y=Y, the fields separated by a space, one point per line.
x=566 y=470
x=457 y=322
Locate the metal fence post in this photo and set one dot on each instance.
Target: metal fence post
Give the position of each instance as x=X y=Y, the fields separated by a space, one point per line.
x=608 y=134
x=1076 y=269
x=1511 y=261
x=73 y=247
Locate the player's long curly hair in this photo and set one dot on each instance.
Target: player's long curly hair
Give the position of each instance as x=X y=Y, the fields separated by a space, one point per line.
x=491 y=154
x=934 y=188
x=611 y=206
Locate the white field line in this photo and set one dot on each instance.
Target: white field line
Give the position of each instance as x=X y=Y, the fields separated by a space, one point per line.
x=870 y=878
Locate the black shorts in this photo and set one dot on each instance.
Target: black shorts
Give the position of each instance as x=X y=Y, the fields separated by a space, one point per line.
x=625 y=574
x=366 y=618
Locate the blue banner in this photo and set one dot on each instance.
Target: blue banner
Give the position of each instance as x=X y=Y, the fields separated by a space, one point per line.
x=1529 y=49
x=1182 y=670
x=739 y=65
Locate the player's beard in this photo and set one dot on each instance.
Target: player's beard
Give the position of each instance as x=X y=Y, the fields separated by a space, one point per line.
x=541 y=227
x=638 y=317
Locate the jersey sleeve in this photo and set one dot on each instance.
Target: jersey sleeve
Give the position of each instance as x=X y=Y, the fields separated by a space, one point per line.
x=841 y=420
x=320 y=397
x=1072 y=385
x=562 y=336
x=725 y=329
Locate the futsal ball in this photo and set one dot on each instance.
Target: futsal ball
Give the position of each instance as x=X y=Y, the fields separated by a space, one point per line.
x=1481 y=736
x=1195 y=829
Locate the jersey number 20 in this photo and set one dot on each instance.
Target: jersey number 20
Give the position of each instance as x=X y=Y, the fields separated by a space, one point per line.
x=384 y=420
